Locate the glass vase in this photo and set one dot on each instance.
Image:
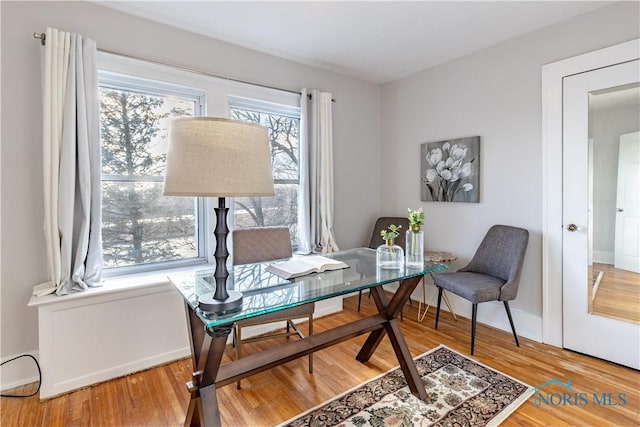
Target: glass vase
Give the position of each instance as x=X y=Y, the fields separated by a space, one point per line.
x=414 y=244
x=389 y=256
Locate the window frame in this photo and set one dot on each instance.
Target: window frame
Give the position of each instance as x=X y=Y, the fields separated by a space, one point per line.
x=217 y=91
x=266 y=107
x=132 y=83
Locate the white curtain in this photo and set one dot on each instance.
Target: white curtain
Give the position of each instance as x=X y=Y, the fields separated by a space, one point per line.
x=71 y=164
x=321 y=171
x=305 y=244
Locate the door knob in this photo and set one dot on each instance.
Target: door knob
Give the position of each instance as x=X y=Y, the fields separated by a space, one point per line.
x=572 y=227
x=619 y=210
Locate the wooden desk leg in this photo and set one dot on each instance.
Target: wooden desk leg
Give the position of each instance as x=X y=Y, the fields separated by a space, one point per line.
x=375 y=337
x=207 y=348
x=405 y=359
x=391 y=308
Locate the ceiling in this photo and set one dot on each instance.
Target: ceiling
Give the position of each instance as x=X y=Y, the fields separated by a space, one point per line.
x=378 y=41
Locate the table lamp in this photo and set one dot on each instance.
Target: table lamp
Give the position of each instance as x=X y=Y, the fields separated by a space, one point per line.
x=216 y=157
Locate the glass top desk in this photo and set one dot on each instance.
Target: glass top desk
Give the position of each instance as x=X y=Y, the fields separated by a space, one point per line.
x=264 y=292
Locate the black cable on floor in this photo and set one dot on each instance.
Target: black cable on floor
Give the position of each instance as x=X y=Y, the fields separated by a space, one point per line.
x=39 y=376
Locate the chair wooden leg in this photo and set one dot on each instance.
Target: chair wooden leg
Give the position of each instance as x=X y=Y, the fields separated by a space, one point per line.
x=513 y=328
x=310 y=324
x=238 y=335
x=474 y=314
x=438 y=309
x=360 y=298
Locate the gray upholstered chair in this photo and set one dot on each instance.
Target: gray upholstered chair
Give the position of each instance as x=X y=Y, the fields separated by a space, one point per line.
x=264 y=244
x=376 y=240
x=492 y=275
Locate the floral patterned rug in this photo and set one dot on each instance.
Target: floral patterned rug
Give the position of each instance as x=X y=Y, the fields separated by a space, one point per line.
x=461 y=392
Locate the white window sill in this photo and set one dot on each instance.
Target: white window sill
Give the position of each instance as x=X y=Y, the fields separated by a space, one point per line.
x=119 y=284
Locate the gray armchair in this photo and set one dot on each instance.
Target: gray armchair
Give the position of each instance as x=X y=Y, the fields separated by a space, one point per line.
x=264 y=244
x=492 y=275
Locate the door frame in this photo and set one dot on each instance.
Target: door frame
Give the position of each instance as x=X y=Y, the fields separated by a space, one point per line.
x=553 y=75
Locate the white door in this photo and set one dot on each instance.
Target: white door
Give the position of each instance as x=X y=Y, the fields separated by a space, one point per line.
x=627 y=247
x=594 y=104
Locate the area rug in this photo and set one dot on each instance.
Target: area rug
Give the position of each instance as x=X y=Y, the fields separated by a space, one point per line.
x=461 y=392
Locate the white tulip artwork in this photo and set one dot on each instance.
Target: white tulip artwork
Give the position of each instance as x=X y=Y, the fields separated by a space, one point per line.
x=451 y=170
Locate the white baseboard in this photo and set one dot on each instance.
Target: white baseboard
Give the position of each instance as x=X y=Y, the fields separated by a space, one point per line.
x=17 y=375
x=18 y=372
x=603 y=257
x=63 y=386
x=526 y=324
x=489 y=313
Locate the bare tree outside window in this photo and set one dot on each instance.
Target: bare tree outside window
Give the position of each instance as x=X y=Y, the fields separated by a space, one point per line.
x=139 y=224
x=281 y=209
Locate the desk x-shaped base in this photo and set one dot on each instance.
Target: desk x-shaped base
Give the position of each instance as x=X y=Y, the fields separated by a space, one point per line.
x=208 y=344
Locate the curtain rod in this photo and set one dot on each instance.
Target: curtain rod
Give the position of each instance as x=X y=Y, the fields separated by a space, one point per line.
x=43 y=37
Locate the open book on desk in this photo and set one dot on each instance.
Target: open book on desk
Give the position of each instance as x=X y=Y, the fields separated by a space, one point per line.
x=303 y=265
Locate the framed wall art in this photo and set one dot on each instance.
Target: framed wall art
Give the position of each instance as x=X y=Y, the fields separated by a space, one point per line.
x=450 y=170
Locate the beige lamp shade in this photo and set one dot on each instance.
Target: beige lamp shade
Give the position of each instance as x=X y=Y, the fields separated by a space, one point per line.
x=216 y=157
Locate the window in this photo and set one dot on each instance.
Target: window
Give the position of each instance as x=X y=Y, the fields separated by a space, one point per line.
x=283 y=122
x=140 y=226
x=143 y=230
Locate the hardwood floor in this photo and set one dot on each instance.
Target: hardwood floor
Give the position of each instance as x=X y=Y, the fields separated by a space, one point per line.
x=158 y=397
x=618 y=295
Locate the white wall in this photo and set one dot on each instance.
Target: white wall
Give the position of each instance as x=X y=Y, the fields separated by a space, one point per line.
x=494 y=93
x=356 y=133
